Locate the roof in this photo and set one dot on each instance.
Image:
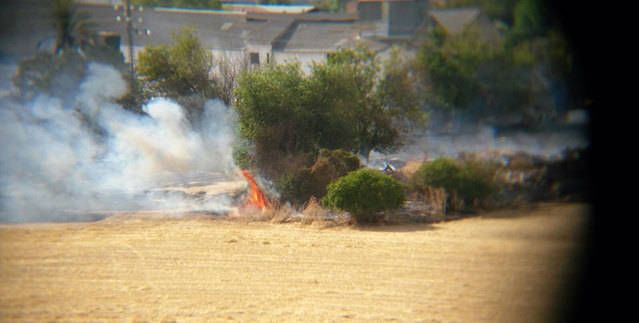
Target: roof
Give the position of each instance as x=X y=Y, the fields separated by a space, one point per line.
x=324 y=37
x=215 y=29
x=310 y=16
x=456 y=19
x=269 y=8
x=23 y=24
x=230 y=30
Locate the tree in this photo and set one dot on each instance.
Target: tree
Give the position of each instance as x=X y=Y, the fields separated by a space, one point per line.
x=181 y=71
x=347 y=103
x=60 y=71
x=374 y=104
x=528 y=74
x=73 y=28
x=363 y=193
x=271 y=105
x=529 y=19
x=448 y=67
x=226 y=74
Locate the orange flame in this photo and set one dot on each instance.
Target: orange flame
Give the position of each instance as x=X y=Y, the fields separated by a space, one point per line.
x=256 y=197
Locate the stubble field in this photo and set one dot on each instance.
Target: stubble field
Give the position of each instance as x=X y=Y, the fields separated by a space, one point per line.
x=503 y=266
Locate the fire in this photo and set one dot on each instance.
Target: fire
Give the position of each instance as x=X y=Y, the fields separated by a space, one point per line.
x=256 y=197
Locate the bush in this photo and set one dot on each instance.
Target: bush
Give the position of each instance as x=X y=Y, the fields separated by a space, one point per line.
x=329 y=166
x=299 y=186
x=467 y=182
x=242 y=155
x=296 y=187
x=442 y=173
x=363 y=193
x=476 y=181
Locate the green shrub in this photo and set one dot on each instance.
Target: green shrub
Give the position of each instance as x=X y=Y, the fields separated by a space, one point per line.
x=363 y=193
x=296 y=187
x=442 y=173
x=469 y=182
x=476 y=180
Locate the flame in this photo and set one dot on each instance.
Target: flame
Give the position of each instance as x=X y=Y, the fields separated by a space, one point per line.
x=256 y=197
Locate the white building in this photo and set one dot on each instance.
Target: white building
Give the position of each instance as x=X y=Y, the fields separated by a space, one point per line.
x=250 y=38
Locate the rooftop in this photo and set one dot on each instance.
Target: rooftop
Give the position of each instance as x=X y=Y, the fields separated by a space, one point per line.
x=314 y=31
x=456 y=19
x=325 y=37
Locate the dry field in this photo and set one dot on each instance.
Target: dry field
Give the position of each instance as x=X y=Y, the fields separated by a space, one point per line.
x=499 y=267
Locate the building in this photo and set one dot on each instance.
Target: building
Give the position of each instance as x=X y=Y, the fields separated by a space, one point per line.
x=249 y=37
x=456 y=20
x=393 y=18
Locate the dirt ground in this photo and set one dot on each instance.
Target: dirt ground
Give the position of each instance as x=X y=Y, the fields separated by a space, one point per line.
x=505 y=266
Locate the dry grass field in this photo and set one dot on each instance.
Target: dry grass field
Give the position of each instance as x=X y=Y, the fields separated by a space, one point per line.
x=505 y=266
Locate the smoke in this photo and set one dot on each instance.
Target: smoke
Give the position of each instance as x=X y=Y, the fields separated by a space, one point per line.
x=548 y=144
x=62 y=162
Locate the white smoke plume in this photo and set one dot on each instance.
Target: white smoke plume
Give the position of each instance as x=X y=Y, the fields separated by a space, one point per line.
x=548 y=144
x=54 y=166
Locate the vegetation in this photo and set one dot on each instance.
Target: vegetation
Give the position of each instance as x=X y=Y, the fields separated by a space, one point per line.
x=363 y=193
x=58 y=72
x=340 y=105
x=308 y=182
x=226 y=72
x=378 y=102
x=180 y=71
x=468 y=182
x=328 y=5
x=350 y=104
x=520 y=72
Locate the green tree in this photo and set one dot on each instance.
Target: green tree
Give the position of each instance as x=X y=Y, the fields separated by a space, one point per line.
x=448 y=67
x=363 y=193
x=271 y=108
x=178 y=70
x=347 y=103
x=375 y=104
x=182 y=71
x=528 y=73
x=529 y=19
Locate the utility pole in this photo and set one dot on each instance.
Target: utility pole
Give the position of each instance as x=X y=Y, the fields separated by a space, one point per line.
x=131 y=30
